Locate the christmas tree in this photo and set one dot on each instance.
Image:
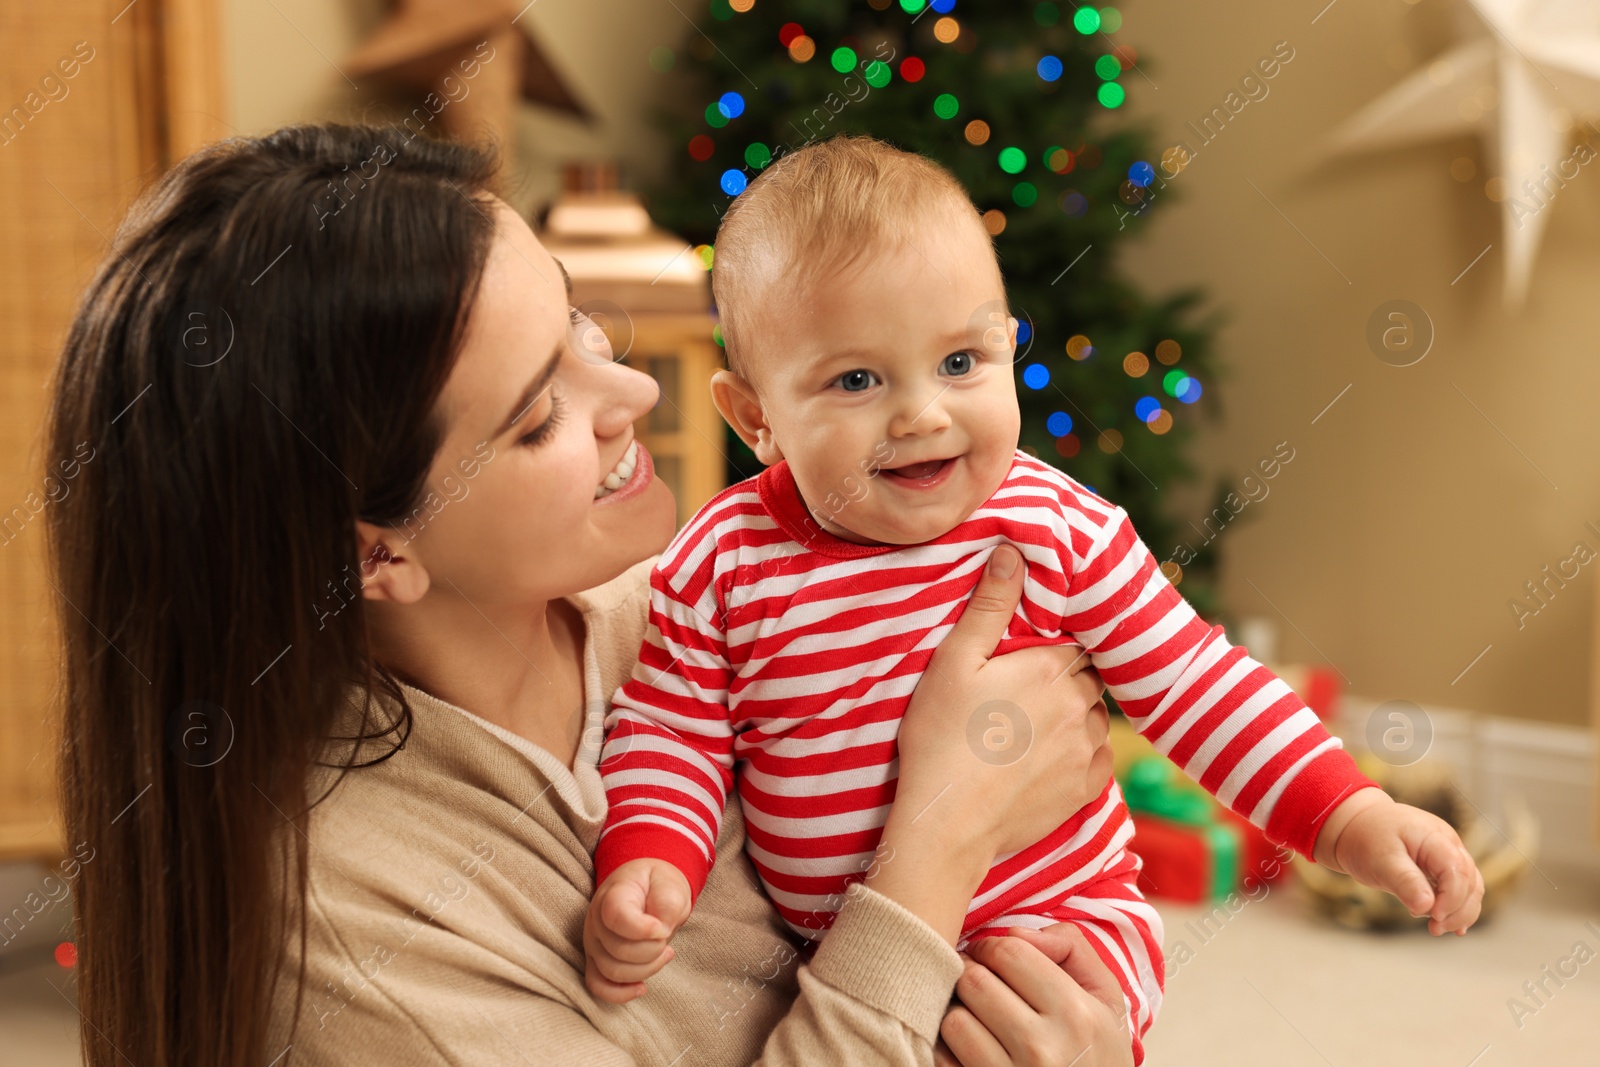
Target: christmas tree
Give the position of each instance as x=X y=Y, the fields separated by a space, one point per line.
x=1022 y=102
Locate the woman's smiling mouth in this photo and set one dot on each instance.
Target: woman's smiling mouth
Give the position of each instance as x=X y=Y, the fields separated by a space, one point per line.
x=631 y=474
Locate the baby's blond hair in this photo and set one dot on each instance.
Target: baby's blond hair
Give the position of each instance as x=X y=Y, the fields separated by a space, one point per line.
x=821 y=208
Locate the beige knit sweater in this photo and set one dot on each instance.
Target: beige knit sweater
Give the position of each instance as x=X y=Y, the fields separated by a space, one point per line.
x=448 y=886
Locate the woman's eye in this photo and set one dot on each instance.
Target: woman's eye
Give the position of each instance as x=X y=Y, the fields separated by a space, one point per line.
x=957 y=364
x=541 y=433
x=854 y=381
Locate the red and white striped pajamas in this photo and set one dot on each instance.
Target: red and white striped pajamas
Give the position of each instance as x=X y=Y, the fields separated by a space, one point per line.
x=779 y=648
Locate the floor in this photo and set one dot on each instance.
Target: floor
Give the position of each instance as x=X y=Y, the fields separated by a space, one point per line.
x=1269 y=986
x=1262 y=985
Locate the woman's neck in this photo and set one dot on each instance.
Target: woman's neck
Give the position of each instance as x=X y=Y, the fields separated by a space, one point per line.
x=521 y=670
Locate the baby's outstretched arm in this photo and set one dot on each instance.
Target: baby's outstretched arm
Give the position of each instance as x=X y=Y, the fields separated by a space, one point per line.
x=1406 y=851
x=633 y=915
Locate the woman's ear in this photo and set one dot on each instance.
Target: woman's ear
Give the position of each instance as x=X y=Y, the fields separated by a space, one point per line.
x=742 y=408
x=386 y=575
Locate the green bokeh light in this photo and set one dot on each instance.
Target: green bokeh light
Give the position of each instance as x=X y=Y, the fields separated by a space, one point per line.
x=1108 y=67
x=1111 y=94
x=757 y=155
x=715 y=117
x=843 y=59
x=1046 y=14
x=911 y=7
x=1024 y=194
x=946 y=106
x=1110 y=19
x=1012 y=160
x=1086 y=20
x=877 y=74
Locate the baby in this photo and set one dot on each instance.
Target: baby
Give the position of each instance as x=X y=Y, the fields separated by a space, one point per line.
x=870 y=368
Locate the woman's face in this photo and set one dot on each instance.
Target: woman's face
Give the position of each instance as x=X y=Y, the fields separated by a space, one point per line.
x=534 y=420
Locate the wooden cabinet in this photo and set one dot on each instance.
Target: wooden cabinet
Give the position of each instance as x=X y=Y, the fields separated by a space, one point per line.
x=684 y=432
x=96 y=99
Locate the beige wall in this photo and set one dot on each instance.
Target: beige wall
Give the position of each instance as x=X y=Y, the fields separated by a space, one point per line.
x=1406 y=522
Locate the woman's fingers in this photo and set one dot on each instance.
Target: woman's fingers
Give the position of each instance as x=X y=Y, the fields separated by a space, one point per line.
x=997 y=1005
x=970 y=1040
x=987 y=613
x=1024 y=969
x=1067 y=946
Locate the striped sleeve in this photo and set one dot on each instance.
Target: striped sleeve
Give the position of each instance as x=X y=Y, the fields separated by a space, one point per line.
x=1229 y=722
x=667 y=763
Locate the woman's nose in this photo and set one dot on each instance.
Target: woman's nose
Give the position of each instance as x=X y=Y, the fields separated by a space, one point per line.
x=625 y=395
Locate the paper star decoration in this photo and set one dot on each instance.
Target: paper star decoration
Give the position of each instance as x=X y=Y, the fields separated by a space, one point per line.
x=1526 y=76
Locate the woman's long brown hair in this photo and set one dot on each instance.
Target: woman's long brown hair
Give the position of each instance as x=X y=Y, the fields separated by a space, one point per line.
x=254 y=367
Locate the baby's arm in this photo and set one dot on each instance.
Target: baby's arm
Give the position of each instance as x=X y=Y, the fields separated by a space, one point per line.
x=667 y=768
x=1406 y=851
x=1243 y=734
x=630 y=921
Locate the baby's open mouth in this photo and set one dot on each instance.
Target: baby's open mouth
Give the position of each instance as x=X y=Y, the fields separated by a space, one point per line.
x=919 y=473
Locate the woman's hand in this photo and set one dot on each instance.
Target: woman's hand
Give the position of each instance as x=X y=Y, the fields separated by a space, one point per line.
x=994 y=754
x=1036 y=998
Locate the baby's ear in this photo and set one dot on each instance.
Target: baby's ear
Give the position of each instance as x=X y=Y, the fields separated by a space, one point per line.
x=741 y=407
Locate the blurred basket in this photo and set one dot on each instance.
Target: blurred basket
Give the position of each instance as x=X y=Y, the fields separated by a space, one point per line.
x=1502 y=859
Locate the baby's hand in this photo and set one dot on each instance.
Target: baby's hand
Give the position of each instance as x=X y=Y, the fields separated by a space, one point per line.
x=633 y=915
x=1407 y=851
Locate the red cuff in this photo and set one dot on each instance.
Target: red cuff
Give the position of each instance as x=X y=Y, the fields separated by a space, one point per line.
x=1308 y=800
x=644 y=840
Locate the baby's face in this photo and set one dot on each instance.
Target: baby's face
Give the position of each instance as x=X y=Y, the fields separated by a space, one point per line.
x=890 y=390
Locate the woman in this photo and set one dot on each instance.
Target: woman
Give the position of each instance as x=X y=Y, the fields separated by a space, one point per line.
x=341 y=609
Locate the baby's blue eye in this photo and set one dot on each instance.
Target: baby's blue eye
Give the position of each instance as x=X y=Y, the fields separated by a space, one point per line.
x=957 y=364
x=854 y=381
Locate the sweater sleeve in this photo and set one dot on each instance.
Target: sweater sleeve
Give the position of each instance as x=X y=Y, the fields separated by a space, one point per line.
x=873 y=996
x=667 y=763
x=1226 y=720
x=874 y=993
